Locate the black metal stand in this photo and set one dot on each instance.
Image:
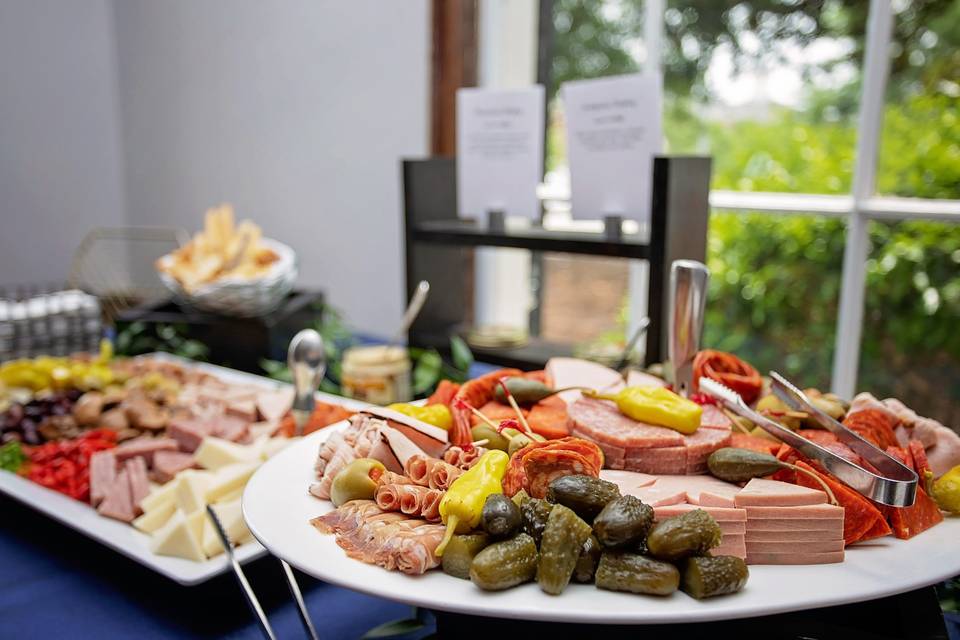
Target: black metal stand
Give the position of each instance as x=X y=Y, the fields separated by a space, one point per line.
x=439 y=245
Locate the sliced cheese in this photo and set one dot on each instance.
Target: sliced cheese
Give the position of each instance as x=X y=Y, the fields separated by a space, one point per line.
x=159 y=496
x=231 y=517
x=229 y=479
x=178 y=538
x=191 y=490
x=155 y=518
x=217 y=453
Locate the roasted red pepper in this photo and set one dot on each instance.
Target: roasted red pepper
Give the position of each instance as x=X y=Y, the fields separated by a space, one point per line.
x=64 y=465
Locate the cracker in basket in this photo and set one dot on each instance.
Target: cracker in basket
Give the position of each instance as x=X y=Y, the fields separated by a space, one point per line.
x=221 y=250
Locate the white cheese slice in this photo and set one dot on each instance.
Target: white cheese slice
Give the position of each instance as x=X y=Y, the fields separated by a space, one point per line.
x=217 y=453
x=191 y=490
x=231 y=517
x=178 y=538
x=236 y=494
x=155 y=518
x=158 y=497
x=229 y=479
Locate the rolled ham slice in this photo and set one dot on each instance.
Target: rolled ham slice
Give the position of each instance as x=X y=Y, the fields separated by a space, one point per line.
x=442 y=475
x=463 y=458
x=389 y=477
x=431 y=506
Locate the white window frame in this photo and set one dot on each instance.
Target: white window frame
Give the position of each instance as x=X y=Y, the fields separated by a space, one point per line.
x=858 y=208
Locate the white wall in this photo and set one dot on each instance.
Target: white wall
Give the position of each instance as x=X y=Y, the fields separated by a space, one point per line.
x=60 y=160
x=296 y=112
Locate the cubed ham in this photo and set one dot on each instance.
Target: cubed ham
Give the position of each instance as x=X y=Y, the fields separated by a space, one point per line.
x=795 y=557
x=167 y=464
x=189 y=433
x=771 y=493
x=230 y=428
x=118 y=503
x=136 y=469
x=103 y=472
x=145 y=447
x=244 y=409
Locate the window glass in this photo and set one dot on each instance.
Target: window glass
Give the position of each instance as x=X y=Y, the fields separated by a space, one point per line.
x=911 y=343
x=736 y=78
x=920 y=139
x=774 y=287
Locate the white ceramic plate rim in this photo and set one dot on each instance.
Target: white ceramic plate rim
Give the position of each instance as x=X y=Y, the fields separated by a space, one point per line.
x=124 y=538
x=277 y=508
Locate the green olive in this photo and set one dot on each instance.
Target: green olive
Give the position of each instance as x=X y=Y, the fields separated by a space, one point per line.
x=356 y=481
x=494 y=440
x=518 y=442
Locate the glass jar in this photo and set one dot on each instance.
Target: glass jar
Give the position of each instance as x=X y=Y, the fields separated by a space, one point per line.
x=376 y=374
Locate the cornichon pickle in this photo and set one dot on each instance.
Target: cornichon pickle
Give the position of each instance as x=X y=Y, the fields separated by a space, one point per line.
x=505 y=564
x=714 y=576
x=533 y=515
x=690 y=534
x=739 y=465
x=460 y=552
x=623 y=521
x=625 y=571
x=560 y=548
x=520 y=497
x=488 y=433
x=587 y=562
x=586 y=495
x=500 y=517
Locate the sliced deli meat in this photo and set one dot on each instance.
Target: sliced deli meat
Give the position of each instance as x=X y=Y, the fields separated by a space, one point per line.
x=136 y=469
x=574 y=372
x=808 y=546
x=812 y=511
x=167 y=464
x=603 y=422
x=118 y=503
x=797 y=536
x=796 y=557
x=103 y=472
x=760 y=492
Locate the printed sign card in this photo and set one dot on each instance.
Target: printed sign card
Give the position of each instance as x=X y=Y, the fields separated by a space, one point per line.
x=499 y=151
x=613 y=132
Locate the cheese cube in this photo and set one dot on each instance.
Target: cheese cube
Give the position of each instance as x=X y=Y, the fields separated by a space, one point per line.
x=178 y=538
x=216 y=453
x=152 y=520
x=191 y=489
x=229 y=479
x=157 y=497
x=231 y=517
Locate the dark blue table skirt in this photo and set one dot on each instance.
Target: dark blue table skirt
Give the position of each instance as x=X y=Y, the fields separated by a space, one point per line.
x=56 y=583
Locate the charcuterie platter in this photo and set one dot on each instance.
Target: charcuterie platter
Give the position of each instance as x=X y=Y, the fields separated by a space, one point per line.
x=177 y=460
x=698 y=521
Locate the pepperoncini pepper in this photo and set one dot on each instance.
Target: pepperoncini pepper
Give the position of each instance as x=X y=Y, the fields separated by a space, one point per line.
x=436 y=414
x=945 y=490
x=462 y=505
x=656 y=405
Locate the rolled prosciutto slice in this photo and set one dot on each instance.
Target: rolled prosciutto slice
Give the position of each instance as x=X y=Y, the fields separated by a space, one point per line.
x=463 y=458
x=389 y=477
x=417 y=469
x=442 y=475
x=430 y=510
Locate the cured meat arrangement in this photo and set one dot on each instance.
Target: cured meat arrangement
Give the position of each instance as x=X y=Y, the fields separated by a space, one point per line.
x=575 y=474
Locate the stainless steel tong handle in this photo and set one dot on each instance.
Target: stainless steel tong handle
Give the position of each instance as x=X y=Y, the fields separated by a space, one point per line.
x=241 y=577
x=898 y=484
x=688 y=299
x=898 y=491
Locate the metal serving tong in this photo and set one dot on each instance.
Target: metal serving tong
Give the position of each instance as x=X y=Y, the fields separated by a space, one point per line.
x=897 y=487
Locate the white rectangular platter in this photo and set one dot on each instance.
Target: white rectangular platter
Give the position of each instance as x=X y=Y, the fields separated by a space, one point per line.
x=122 y=537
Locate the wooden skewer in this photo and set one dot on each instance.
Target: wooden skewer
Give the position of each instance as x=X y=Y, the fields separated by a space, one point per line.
x=477 y=413
x=523 y=420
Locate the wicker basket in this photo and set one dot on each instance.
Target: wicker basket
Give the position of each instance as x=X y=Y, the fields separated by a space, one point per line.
x=242 y=297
